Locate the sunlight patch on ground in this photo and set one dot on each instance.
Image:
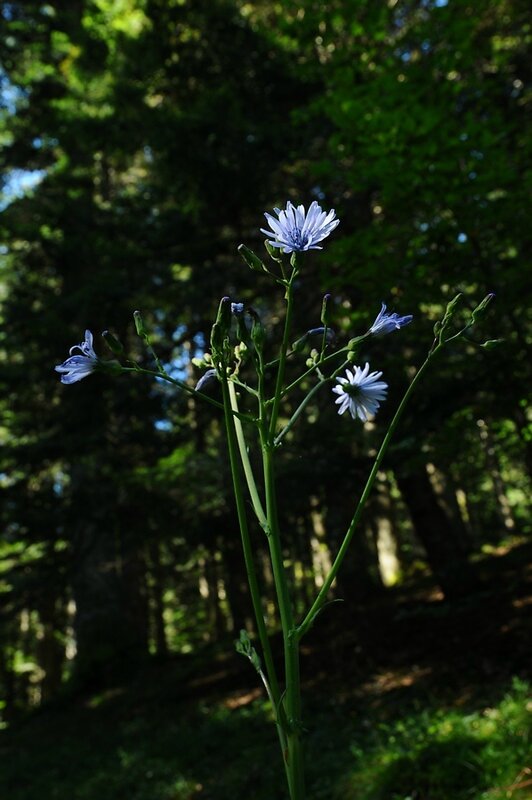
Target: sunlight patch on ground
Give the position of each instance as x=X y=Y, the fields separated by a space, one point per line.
x=237 y=701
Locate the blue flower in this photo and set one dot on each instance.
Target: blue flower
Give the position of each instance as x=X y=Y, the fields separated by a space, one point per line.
x=296 y=231
x=386 y=323
x=360 y=393
x=78 y=367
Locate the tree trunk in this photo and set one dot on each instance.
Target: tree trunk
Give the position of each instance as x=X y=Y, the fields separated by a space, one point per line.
x=446 y=558
x=359 y=577
x=110 y=638
x=383 y=527
x=50 y=651
x=238 y=600
x=157 y=597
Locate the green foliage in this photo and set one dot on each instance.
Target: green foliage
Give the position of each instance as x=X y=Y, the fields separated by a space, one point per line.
x=148 y=743
x=444 y=753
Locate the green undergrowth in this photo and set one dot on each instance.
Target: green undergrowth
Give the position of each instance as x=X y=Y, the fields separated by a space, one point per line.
x=445 y=754
x=152 y=741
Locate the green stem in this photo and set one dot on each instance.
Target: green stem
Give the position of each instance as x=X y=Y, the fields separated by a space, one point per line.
x=322 y=595
x=293 y=754
x=312 y=369
x=250 y=565
x=244 y=457
x=297 y=413
x=282 y=357
x=301 y=407
x=182 y=385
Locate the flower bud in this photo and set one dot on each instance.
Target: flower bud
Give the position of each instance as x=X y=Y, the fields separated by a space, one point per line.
x=449 y=313
x=353 y=343
x=258 y=334
x=205 y=380
x=244 y=647
x=252 y=260
x=491 y=344
x=451 y=306
x=223 y=317
x=326 y=310
x=139 y=324
x=480 y=310
x=217 y=339
x=299 y=344
x=273 y=252
x=114 y=345
x=330 y=336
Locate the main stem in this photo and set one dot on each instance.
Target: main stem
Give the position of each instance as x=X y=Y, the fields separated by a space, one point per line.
x=293 y=754
x=250 y=564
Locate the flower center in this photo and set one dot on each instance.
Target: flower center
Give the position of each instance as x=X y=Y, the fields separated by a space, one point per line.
x=297 y=239
x=352 y=389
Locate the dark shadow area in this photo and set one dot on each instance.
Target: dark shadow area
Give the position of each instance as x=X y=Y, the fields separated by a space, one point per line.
x=408 y=699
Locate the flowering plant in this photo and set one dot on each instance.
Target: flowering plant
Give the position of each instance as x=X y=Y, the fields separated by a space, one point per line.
x=238 y=339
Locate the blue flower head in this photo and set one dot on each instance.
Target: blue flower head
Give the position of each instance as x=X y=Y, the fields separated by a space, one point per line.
x=360 y=393
x=386 y=323
x=79 y=366
x=295 y=230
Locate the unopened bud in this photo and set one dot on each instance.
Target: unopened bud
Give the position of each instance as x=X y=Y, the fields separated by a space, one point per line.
x=257 y=333
x=217 y=338
x=480 y=310
x=299 y=344
x=330 y=335
x=326 y=310
x=353 y=343
x=449 y=313
x=244 y=647
x=451 y=306
x=114 y=345
x=205 y=380
x=273 y=252
x=252 y=260
x=491 y=344
x=223 y=317
x=139 y=324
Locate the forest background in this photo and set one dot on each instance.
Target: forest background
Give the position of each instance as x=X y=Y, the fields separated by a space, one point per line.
x=142 y=141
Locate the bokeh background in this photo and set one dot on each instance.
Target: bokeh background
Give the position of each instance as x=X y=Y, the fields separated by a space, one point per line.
x=142 y=141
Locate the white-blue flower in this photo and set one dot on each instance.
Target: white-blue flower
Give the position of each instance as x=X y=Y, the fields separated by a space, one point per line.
x=79 y=366
x=386 y=323
x=360 y=392
x=295 y=230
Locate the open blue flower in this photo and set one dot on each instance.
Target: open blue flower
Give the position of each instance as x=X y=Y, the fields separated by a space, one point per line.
x=295 y=230
x=78 y=367
x=360 y=393
x=386 y=323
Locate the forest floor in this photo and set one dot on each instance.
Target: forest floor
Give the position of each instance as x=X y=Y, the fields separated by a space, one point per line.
x=410 y=698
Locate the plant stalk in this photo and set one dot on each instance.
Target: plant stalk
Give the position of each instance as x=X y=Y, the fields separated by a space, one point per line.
x=250 y=565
